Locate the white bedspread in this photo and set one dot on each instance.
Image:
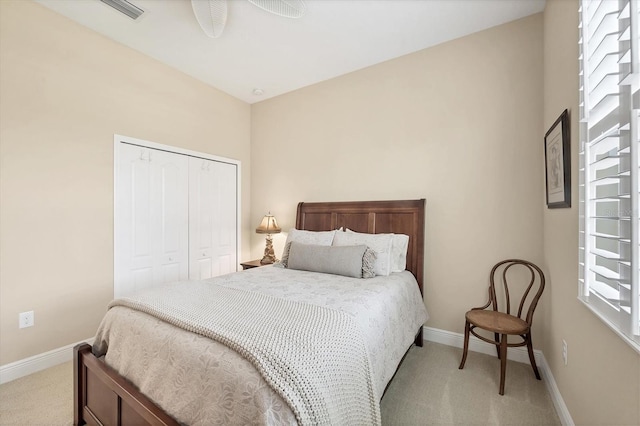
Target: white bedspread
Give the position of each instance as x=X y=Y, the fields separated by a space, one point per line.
x=199 y=381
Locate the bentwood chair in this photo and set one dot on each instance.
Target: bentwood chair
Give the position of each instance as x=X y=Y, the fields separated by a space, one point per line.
x=499 y=320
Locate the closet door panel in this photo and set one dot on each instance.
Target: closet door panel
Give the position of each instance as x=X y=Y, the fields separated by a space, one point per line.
x=140 y=176
x=208 y=217
x=225 y=265
x=133 y=240
x=151 y=235
x=226 y=242
x=171 y=194
x=141 y=279
x=202 y=177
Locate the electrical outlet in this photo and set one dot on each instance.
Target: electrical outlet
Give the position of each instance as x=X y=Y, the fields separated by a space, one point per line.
x=25 y=319
x=564 y=351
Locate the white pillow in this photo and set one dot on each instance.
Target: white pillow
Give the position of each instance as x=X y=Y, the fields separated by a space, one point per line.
x=319 y=238
x=399 y=247
x=379 y=243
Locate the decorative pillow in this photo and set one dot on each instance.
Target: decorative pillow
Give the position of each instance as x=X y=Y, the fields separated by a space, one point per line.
x=346 y=260
x=320 y=238
x=284 y=259
x=379 y=243
x=399 y=247
x=368 y=263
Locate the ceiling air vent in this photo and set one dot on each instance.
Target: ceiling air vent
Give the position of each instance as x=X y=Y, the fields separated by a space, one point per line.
x=125 y=7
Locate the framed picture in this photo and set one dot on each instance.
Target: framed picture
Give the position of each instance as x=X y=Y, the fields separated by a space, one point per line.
x=558 y=163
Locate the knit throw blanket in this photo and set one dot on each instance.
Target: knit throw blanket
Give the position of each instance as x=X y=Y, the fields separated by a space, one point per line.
x=313 y=356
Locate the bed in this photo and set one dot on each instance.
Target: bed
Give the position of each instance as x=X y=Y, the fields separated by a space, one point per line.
x=144 y=374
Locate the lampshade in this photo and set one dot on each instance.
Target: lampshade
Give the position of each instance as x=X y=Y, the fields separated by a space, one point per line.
x=269 y=225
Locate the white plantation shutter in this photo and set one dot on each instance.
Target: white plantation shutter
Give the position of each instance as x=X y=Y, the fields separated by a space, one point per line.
x=609 y=171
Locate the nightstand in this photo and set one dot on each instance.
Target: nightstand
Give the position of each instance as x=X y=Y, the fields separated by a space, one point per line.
x=251 y=264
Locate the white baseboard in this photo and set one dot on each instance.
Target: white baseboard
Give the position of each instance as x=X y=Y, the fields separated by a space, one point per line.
x=476 y=345
x=552 y=387
x=24 y=367
x=515 y=354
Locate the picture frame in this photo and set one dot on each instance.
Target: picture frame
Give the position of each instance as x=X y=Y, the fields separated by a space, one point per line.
x=557 y=156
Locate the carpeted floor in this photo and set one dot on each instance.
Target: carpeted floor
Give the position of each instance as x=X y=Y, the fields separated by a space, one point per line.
x=43 y=398
x=428 y=389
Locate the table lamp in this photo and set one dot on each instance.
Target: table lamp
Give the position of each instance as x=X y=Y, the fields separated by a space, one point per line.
x=268 y=226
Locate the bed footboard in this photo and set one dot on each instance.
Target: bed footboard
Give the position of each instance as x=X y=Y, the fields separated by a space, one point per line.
x=103 y=397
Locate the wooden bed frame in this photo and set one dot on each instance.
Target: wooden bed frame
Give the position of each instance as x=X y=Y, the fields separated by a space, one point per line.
x=104 y=397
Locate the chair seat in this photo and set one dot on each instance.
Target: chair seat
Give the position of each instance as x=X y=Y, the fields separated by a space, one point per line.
x=497 y=322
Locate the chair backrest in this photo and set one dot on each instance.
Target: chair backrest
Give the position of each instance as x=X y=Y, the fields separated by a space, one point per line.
x=531 y=294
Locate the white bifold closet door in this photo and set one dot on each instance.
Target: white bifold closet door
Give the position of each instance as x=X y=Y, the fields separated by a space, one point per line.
x=212 y=218
x=152 y=240
x=175 y=218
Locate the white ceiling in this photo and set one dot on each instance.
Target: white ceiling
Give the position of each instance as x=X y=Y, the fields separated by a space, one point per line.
x=278 y=55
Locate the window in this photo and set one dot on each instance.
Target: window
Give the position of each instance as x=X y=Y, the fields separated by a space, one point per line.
x=609 y=173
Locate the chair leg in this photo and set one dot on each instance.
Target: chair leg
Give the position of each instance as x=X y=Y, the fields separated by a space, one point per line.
x=497 y=339
x=532 y=358
x=467 y=326
x=503 y=361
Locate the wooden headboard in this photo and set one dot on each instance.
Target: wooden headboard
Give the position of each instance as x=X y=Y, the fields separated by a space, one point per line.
x=373 y=217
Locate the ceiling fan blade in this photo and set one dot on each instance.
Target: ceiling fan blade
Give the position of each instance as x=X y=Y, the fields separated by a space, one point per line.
x=285 y=8
x=211 y=15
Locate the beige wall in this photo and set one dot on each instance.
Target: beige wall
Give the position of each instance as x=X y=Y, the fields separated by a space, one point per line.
x=601 y=382
x=460 y=124
x=65 y=90
x=457 y=124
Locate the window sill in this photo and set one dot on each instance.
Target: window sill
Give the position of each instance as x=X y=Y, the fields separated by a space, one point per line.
x=634 y=345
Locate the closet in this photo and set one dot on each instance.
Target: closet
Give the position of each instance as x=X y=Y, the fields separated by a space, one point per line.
x=175 y=215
